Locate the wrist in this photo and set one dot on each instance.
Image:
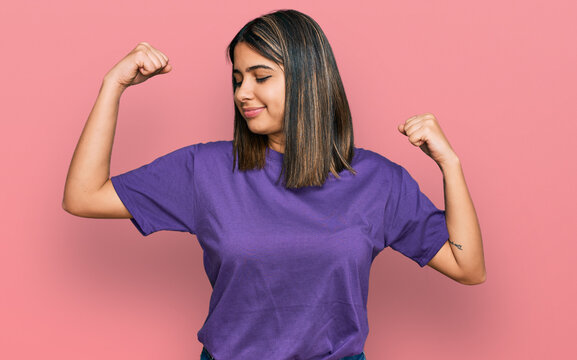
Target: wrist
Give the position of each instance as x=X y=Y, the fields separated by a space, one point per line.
x=112 y=85
x=452 y=162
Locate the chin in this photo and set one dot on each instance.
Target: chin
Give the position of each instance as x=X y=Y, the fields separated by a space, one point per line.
x=259 y=130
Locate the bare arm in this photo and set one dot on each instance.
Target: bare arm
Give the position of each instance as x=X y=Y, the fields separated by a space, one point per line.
x=89 y=169
x=88 y=191
x=461 y=257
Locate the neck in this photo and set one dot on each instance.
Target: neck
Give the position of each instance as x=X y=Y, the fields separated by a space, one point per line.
x=276 y=144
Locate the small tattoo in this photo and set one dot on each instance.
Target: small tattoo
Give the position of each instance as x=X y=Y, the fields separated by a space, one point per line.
x=460 y=247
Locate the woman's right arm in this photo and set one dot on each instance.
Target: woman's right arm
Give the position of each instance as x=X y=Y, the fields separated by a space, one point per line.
x=88 y=191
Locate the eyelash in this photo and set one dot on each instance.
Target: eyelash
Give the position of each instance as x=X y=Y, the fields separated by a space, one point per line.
x=258 y=80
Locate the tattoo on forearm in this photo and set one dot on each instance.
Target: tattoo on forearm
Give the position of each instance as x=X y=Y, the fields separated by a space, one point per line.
x=460 y=247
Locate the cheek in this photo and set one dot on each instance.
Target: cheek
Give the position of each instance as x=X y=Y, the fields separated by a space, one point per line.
x=281 y=103
x=281 y=97
x=276 y=100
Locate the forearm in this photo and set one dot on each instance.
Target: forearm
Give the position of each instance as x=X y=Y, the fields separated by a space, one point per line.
x=90 y=165
x=462 y=223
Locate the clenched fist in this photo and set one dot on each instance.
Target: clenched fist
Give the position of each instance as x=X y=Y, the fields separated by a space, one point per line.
x=424 y=131
x=143 y=62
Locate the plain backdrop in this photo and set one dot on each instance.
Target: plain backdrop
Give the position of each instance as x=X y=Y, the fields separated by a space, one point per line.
x=499 y=76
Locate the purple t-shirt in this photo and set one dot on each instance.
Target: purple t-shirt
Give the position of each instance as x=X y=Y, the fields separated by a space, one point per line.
x=289 y=268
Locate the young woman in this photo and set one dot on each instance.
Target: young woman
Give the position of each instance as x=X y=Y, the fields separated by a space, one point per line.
x=290 y=214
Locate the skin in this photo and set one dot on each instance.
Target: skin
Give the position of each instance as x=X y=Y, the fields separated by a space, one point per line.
x=260 y=87
x=461 y=257
x=89 y=192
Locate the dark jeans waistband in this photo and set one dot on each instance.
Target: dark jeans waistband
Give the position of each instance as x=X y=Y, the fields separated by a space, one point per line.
x=205 y=355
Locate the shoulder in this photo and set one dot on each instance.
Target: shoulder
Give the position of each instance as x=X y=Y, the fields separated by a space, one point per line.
x=215 y=146
x=214 y=151
x=393 y=176
x=369 y=158
x=210 y=149
x=191 y=155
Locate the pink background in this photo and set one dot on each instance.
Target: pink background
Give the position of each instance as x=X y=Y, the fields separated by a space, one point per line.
x=499 y=76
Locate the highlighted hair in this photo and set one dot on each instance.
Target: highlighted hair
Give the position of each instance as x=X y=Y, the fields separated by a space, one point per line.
x=317 y=122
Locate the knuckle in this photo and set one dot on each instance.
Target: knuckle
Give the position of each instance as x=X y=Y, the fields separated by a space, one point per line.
x=141 y=50
x=144 y=47
x=140 y=55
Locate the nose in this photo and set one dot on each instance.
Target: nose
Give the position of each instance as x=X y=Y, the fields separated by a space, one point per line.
x=244 y=91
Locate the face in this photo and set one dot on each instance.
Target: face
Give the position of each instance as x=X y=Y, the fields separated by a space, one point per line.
x=259 y=93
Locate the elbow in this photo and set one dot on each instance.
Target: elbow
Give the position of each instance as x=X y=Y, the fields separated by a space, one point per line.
x=474 y=279
x=71 y=202
x=66 y=203
x=72 y=209
x=67 y=208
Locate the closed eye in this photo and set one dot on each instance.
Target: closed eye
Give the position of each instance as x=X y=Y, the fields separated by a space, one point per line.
x=262 y=79
x=258 y=80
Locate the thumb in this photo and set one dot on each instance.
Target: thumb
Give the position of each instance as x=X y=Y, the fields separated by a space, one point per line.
x=401 y=128
x=166 y=69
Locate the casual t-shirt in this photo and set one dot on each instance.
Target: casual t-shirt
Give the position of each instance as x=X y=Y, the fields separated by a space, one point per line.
x=289 y=268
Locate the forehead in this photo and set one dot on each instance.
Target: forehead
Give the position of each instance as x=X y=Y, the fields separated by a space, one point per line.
x=246 y=57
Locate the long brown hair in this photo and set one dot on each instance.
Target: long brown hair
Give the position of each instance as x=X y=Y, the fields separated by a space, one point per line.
x=317 y=122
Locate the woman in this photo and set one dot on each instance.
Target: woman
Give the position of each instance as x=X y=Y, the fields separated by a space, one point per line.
x=288 y=262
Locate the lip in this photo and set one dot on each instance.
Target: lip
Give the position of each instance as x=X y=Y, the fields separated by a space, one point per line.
x=250 y=112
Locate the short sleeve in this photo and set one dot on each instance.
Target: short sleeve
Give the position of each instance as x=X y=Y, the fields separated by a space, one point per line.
x=414 y=226
x=160 y=195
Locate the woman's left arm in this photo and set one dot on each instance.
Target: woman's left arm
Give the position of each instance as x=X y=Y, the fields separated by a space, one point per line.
x=461 y=257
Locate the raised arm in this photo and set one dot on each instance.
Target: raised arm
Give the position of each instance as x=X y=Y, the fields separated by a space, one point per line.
x=88 y=191
x=461 y=258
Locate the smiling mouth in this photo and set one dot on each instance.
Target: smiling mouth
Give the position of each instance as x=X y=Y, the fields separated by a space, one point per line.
x=252 y=112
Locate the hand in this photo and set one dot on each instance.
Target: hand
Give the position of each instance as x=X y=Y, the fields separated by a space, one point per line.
x=142 y=63
x=424 y=131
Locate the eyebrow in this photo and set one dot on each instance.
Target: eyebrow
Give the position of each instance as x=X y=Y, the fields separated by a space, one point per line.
x=254 y=67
